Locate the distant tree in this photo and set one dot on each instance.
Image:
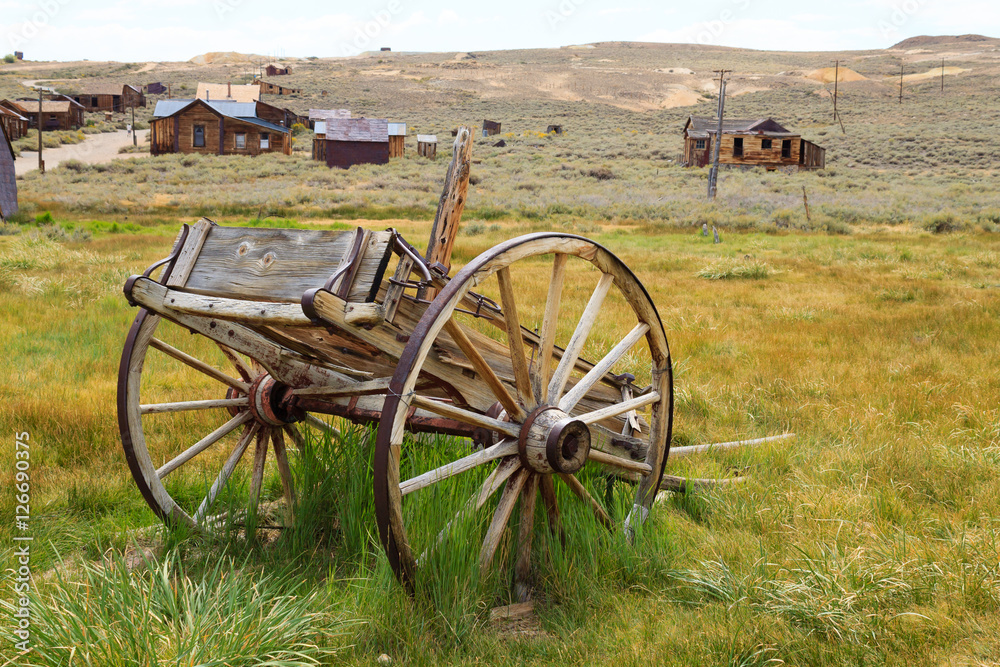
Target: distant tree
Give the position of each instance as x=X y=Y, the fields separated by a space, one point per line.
x=9 y=58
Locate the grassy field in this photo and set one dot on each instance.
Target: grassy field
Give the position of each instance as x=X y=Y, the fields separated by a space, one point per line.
x=869 y=329
x=870 y=538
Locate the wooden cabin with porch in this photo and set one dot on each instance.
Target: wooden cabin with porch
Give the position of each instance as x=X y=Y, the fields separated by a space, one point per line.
x=351 y=141
x=56 y=114
x=8 y=177
x=113 y=97
x=215 y=128
x=759 y=142
x=14 y=123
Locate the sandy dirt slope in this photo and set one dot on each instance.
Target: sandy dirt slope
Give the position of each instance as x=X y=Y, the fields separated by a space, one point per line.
x=96 y=149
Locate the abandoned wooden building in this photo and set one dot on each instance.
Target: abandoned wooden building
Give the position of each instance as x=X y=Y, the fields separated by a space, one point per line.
x=19 y=55
x=267 y=88
x=156 y=88
x=56 y=114
x=397 y=140
x=490 y=128
x=214 y=127
x=274 y=70
x=14 y=123
x=326 y=114
x=114 y=97
x=351 y=141
x=8 y=177
x=227 y=92
x=278 y=115
x=759 y=142
x=427 y=145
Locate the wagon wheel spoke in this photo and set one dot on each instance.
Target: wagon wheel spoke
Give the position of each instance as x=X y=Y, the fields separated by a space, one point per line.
x=619 y=408
x=259 y=461
x=511 y=492
x=244 y=369
x=580 y=389
x=318 y=423
x=515 y=339
x=465 y=416
x=579 y=338
x=522 y=567
x=493 y=482
x=548 y=492
x=199 y=365
x=484 y=369
x=295 y=435
x=203 y=444
x=226 y=472
x=504 y=448
x=627 y=465
x=577 y=487
x=549 y=323
x=284 y=471
x=183 y=406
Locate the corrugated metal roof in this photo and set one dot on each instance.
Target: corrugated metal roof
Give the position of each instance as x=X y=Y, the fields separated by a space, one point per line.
x=228 y=92
x=326 y=114
x=397 y=129
x=225 y=107
x=700 y=127
x=427 y=138
x=373 y=130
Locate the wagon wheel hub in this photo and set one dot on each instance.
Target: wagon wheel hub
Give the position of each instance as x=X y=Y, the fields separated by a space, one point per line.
x=553 y=442
x=271 y=402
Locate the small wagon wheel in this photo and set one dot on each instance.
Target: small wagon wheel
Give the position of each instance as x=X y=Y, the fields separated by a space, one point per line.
x=171 y=384
x=543 y=410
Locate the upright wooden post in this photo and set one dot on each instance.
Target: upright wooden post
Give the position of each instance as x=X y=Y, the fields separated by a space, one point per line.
x=41 y=162
x=805 y=202
x=713 y=173
x=900 y=83
x=836 y=79
x=135 y=141
x=452 y=202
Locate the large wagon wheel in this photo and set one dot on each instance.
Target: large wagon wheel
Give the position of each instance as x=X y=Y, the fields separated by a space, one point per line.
x=189 y=384
x=552 y=412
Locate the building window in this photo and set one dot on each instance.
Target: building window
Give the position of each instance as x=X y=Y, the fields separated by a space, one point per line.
x=765 y=144
x=265 y=141
x=241 y=141
x=699 y=144
x=199 y=136
x=94 y=102
x=738 y=147
x=786 y=148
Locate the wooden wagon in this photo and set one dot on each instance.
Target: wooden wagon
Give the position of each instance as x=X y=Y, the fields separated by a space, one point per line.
x=359 y=325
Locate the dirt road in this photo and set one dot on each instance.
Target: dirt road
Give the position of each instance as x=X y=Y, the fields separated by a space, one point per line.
x=96 y=149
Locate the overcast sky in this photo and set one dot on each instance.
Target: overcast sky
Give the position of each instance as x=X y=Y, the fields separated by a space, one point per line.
x=141 y=30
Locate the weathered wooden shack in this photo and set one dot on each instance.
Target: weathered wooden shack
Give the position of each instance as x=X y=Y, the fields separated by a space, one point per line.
x=8 y=177
x=319 y=141
x=114 y=97
x=268 y=88
x=274 y=70
x=490 y=128
x=13 y=122
x=227 y=92
x=397 y=140
x=19 y=55
x=278 y=115
x=351 y=141
x=56 y=114
x=759 y=142
x=427 y=145
x=156 y=88
x=219 y=128
x=326 y=114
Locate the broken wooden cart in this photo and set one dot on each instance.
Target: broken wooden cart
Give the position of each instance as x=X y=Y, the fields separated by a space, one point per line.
x=544 y=353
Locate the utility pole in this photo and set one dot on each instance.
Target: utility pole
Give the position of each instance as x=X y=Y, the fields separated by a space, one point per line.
x=41 y=162
x=713 y=173
x=135 y=142
x=900 y=83
x=836 y=78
